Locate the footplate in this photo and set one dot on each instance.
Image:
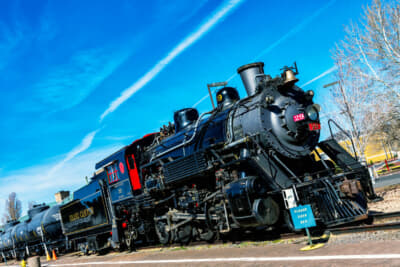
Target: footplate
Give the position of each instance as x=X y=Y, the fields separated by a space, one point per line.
x=332 y=208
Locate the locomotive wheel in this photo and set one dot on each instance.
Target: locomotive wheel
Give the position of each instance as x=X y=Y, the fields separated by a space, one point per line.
x=185 y=234
x=289 y=223
x=208 y=236
x=210 y=233
x=163 y=235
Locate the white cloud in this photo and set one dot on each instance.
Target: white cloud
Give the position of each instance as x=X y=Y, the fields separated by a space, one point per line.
x=10 y=39
x=188 y=41
x=34 y=184
x=320 y=76
x=84 y=145
x=59 y=175
x=67 y=85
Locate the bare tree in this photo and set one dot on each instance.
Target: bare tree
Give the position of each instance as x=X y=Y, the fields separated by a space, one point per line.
x=390 y=129
x=13 y=208
x=367 y=92
x=375 y=44
x=356 y=102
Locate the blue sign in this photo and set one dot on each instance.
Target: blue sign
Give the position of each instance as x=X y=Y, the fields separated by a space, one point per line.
x=302 y=217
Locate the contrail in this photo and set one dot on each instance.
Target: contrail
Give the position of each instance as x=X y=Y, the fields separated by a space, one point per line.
x=290 y=33
x=85 y=144
x=126 y=94
x=296 y=29
x=319 y=76
x=188 y=41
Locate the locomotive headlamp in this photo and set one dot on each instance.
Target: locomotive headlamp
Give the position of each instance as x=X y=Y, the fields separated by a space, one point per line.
x=312 y=112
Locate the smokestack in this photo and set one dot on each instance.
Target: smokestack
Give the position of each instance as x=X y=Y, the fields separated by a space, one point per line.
x=250 y=74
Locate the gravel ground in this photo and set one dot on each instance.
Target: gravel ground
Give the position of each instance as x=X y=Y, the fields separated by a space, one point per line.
x=391 y=200
x=357 y=238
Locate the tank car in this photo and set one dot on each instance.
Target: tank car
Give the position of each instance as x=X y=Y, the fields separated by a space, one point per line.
x=40 y=232
x=7 y=240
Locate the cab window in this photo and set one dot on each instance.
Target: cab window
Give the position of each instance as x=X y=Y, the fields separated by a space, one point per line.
x=112 y=173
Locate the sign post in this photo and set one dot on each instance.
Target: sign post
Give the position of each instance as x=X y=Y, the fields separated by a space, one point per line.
x=303 y=218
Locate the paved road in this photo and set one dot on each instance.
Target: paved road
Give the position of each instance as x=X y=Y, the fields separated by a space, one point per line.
x=387 y=180
x=368 y=253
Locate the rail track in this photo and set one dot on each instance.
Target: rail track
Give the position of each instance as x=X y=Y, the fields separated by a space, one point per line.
x=381 y=216
x=377 y=221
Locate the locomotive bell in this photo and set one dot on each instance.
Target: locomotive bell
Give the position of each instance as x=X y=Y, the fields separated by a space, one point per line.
x=289 y=77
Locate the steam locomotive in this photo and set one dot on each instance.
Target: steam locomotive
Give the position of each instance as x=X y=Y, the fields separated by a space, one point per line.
x=242 y=165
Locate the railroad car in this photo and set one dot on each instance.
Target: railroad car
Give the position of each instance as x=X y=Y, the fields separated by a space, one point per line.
x=40 y=232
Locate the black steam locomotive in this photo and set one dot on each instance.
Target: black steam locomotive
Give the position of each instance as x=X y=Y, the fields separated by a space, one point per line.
x=239 y=166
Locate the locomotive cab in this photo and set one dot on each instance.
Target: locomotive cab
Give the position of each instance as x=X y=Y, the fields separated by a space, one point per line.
x=122 y=168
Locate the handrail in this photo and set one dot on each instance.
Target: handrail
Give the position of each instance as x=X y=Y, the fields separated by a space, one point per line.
x=185 y=142
x=351 y=139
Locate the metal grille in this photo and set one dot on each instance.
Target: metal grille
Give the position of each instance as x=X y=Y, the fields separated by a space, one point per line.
x=185 y=167
x=335 y=210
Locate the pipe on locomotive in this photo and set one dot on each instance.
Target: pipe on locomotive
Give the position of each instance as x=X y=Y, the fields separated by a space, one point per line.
x=184 y=143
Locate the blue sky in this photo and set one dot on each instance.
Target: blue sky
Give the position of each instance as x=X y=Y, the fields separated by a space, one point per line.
x=80 y=79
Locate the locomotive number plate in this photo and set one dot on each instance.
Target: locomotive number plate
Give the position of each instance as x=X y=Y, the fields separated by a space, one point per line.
x=298 y=117
x=314 y=126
